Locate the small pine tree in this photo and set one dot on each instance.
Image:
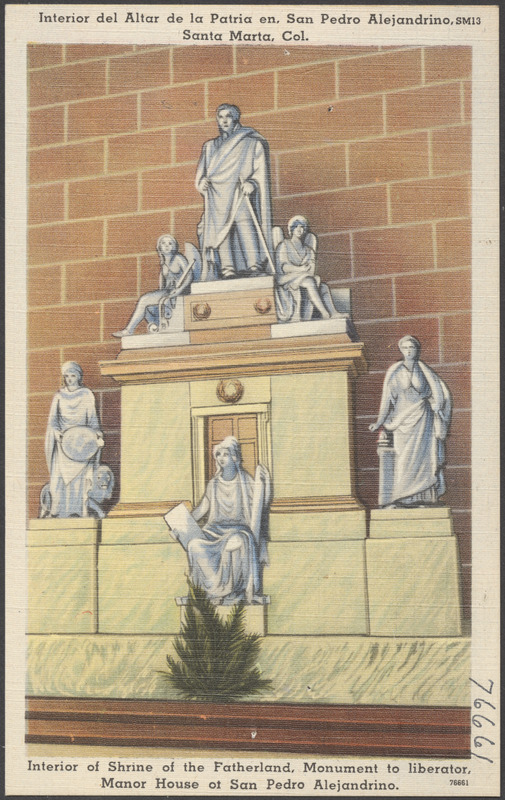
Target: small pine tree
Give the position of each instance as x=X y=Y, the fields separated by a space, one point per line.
x=217 y=657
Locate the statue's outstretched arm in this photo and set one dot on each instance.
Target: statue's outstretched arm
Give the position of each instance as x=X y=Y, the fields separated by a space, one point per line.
x=386 y=400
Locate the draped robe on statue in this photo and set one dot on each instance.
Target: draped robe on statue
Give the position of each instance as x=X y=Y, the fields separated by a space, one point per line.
x=228 y=234
x=295 y=265
x=418 y=408
x=226 y=561
x=70 y=480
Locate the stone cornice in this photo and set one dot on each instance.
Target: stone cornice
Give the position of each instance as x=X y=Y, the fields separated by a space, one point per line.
x=301 y=354
x=280 y=505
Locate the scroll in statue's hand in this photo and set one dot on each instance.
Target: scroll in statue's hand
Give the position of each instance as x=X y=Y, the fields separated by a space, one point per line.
x=374 y=427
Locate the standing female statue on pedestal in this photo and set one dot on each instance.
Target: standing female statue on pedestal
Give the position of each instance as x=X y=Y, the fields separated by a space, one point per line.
x=73 y=445
x=416 y=407
x=226 y=560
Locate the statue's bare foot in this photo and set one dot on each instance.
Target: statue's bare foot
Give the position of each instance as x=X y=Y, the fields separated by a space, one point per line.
x=120 y=334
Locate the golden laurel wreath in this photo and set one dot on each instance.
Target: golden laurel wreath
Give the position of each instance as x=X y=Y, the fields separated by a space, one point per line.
x=201 y=311
x=230 y=391
x=263 y=305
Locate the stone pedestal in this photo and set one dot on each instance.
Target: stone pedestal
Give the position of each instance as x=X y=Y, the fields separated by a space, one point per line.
x=386 y=453
x=296 y=379
x=230 y=310
x=413 y=573
x=140 y=571
x=386 y=523
x=62 y=575
x=317 y=587
x=299 y=388
x=255 y=617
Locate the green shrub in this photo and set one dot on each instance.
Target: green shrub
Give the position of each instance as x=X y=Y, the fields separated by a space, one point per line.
x=218 y=659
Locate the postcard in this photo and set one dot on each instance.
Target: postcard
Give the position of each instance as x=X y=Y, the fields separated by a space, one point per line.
x=252 y=400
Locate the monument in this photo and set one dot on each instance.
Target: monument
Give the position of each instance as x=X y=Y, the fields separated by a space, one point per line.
x=248 y=368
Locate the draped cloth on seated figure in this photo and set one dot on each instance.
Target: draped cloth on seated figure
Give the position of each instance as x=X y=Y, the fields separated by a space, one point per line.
x=174 y=280
x=299 y=292
x=227 y=556
x=416 y=407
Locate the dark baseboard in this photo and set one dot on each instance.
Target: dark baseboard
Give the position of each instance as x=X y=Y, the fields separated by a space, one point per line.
x=411 y=731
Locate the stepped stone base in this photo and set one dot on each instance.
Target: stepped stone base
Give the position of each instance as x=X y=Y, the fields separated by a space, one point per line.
x=255 y=616
x=413 y=573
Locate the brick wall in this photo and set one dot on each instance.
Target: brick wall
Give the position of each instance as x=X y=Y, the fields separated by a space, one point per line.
x=371 y=144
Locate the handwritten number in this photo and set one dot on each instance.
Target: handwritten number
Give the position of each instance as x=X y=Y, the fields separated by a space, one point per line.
x=483 y=757
x=488 y=691
x=479 y=724
x=484 y=738
x=479 y=701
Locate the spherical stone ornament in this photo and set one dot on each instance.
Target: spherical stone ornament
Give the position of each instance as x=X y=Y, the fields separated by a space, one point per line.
x=263 y=305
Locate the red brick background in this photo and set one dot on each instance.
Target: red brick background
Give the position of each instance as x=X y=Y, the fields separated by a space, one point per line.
x=372 y=145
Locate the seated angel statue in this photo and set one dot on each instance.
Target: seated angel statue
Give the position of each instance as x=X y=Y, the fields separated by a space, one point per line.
x=299 y=291
x=176 y=275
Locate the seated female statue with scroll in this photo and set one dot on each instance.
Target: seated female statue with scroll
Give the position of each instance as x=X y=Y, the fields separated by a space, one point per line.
x=226 y=561
x=226 y=555
x=299 y=291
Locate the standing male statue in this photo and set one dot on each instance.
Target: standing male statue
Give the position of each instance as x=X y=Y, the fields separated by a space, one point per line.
x=233 y=175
